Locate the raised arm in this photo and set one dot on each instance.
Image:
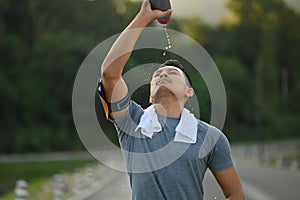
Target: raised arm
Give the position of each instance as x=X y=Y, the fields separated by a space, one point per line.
x=112 y=67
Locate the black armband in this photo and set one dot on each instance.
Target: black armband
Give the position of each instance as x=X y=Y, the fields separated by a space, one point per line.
x=111 y=107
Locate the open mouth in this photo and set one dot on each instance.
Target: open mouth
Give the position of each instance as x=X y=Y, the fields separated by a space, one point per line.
x=162 y=81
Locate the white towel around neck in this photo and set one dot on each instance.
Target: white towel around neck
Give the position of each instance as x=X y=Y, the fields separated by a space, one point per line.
x=186 y=130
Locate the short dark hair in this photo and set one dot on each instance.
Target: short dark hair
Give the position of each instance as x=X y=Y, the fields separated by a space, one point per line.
x=177 y=64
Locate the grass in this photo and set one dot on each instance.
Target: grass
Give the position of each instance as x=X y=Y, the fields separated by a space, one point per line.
x=37 y=174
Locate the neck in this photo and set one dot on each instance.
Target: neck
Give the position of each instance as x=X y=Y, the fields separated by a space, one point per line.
x=169 y=107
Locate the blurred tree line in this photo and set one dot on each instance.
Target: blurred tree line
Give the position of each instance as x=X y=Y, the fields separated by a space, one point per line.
x=43 y=44
x=258 y=55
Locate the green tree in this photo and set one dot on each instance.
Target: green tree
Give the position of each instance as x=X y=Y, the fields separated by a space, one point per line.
x=262 y=40
x=271 y=26
x=42 y=46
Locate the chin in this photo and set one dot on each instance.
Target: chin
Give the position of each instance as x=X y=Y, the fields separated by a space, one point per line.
x=162 y=90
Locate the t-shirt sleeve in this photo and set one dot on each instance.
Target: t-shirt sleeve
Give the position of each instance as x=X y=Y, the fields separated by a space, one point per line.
x=220 y=158
x=128 y=122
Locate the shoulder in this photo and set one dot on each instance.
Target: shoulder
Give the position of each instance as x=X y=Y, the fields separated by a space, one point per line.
x=210 y=138
x=206 y=130
x=214 y=147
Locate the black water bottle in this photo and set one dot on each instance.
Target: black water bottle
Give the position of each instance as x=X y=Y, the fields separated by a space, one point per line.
x=162 y=5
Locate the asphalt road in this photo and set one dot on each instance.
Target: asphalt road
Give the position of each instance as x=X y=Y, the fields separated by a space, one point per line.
x=117 y=189
x=260 y=183
x=269 y=183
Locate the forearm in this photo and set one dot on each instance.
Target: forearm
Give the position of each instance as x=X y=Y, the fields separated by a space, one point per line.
x=121 y=50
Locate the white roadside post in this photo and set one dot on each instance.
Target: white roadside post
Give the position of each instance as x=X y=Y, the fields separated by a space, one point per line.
x=60 y=186
x=21 y=190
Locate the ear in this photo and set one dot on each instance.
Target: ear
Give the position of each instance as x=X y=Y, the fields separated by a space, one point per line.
x=190 y=92
x=150 y=99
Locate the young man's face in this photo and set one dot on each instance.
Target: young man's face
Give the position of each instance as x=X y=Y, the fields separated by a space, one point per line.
x=169 y=80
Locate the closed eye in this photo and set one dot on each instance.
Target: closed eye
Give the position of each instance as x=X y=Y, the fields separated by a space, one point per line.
x=169 y=71
x=156 y=74
x=173 y=72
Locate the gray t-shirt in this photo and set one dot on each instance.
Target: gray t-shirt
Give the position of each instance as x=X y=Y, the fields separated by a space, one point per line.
x=161 y=169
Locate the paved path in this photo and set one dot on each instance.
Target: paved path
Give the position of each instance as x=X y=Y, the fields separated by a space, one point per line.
x=260 y=183
x=117 y=189
x=269 y=183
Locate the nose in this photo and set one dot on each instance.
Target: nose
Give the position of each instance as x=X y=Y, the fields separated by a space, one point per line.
x=163 y=74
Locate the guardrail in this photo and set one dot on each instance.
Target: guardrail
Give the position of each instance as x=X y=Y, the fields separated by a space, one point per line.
x=280 y=154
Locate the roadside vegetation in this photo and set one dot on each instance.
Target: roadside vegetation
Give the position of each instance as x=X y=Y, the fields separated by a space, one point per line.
x=39 y=176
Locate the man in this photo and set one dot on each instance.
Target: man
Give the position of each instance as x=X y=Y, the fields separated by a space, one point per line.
x=163 y=145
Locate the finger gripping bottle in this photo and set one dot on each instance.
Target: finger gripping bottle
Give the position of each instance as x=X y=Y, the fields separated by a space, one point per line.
x=162 y=5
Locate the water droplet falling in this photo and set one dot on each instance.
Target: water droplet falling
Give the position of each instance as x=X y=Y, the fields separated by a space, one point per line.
x=168 y=46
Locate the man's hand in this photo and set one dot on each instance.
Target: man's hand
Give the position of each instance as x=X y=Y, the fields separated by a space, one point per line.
x=146 y=13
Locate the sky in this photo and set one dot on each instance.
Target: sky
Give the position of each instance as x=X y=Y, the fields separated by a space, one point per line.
x=212 y=11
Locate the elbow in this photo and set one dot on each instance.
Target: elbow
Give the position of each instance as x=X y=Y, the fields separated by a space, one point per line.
x=109 y=74
x=236 y=196
x=241 y=195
